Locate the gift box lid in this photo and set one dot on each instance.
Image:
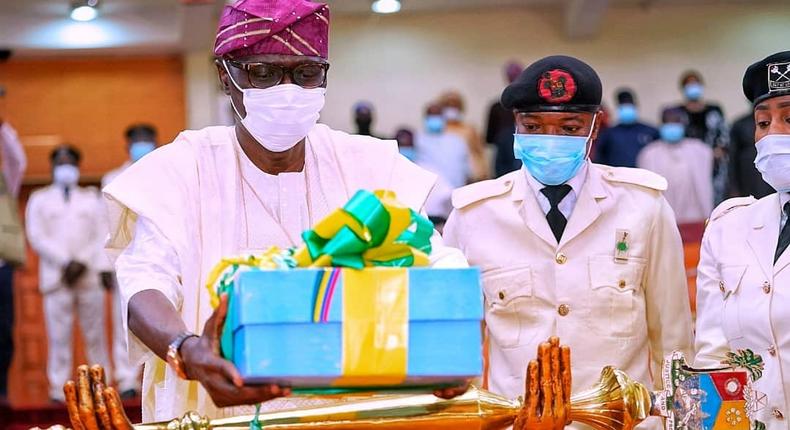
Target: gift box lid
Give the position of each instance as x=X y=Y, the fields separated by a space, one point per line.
x=289 y=296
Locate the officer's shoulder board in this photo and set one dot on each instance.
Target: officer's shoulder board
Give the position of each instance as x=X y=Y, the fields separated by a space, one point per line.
x=482 y=190
x=730 y=205
x=629 y=175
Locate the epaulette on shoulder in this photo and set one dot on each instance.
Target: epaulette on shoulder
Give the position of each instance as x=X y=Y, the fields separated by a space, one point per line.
x=641 y=177
x=482 y=190
x=729 y=205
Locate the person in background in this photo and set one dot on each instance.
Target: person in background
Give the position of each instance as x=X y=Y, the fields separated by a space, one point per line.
x=568 y=248
x=64 y=224
x=686 y=163
x=453 y=111
x=12 y=167
x=500 y=126
x=405 y=138
x=705 y=121
x=745 y=179
x=141 y=139
x=619 y=146
x=445 y=154
x=743 y=299
x=363 y=118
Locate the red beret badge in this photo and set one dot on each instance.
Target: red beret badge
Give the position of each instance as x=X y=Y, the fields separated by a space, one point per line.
x=556 y=86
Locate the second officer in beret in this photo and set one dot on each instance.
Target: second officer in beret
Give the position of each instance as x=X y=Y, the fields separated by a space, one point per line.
x=743 y=279
x=569 y=248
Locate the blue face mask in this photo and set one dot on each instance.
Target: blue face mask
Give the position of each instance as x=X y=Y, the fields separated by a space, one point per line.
x=549 y=158
x=693 y=91
x=434 y=124
x=139 y=149
x=408 y=152
x=627 y=114
x=672 y=132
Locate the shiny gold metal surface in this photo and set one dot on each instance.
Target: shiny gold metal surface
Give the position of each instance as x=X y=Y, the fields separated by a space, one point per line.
x=477 y=409
x=616 y=402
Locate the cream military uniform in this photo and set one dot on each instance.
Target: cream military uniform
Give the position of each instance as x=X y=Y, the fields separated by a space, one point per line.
x=743 y=298
x=62 y=230
x=626 y=308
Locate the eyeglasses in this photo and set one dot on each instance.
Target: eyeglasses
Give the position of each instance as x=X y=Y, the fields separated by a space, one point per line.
x=265 y=75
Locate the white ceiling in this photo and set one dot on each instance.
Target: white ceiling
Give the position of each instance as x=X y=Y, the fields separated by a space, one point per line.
x=34 y=27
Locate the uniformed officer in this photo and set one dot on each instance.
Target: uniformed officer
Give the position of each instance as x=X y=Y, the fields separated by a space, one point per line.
x=568 y=248
x=743 y=280
x=64 y=227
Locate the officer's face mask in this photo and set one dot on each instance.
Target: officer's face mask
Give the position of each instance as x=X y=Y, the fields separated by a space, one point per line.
x=693 y=91
x=773 y=161
x=66 y=175
x=672 y=132
x=435 y=124
x=138 y=150
x=627 y=113
x=552 y=159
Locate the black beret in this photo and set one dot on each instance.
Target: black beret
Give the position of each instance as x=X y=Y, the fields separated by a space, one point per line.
x=556 y=83
x=768 y=78
x=67 y=150
x=625 y=96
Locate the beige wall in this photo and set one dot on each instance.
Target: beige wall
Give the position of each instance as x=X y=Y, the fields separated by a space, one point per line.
x=400 y=62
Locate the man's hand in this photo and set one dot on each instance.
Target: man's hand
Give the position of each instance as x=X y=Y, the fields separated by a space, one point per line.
x=92 y=405
x=548 y=389
x=73 y=272
x=449 y=393
x=202 y=362
x=107 y=280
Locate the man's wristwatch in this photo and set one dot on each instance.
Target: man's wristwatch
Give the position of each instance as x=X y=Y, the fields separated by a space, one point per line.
x=174 y=353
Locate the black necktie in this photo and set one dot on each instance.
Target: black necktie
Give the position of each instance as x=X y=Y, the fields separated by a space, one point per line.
x=557 y=221
x=784 y=236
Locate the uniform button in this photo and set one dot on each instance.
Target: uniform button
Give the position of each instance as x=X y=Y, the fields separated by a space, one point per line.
x=772 y=350
x=766 y=287
x=721 y=286
x=778 y=414
x=561 y=258
x=563 y=310
x=508 y=183
x=501 y=295
x=621 y=284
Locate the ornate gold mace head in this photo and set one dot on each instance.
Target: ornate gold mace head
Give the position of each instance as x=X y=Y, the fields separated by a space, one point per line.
x=616 y=402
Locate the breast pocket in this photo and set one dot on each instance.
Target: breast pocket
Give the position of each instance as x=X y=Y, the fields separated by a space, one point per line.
x=616 y=296
x=730 y=287
x=508 y=292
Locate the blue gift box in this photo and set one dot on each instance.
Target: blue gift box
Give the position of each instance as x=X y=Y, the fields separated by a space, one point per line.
x=288 y=327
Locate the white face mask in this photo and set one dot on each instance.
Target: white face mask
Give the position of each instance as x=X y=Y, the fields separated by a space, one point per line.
x=66 y=175
x=773 y=161
x=453 y=114
x=279 y=117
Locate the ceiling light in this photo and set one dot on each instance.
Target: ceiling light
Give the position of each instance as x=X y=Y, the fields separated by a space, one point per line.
x=385 y=6
x=84 y=10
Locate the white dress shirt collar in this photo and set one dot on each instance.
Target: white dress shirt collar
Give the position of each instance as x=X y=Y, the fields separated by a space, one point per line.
x=569 y=202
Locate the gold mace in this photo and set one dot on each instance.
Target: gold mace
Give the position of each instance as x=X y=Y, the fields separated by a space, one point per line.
x=616 y=402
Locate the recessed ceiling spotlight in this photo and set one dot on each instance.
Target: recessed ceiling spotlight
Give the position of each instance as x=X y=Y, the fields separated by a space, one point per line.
x=385 y=6
x=84 y=10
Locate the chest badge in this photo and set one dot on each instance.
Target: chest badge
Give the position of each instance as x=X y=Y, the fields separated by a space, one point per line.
x=622 y=246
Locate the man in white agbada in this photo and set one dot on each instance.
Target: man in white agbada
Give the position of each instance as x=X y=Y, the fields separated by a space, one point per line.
x=223 y=190
x=140 y=140
x=687 y=165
